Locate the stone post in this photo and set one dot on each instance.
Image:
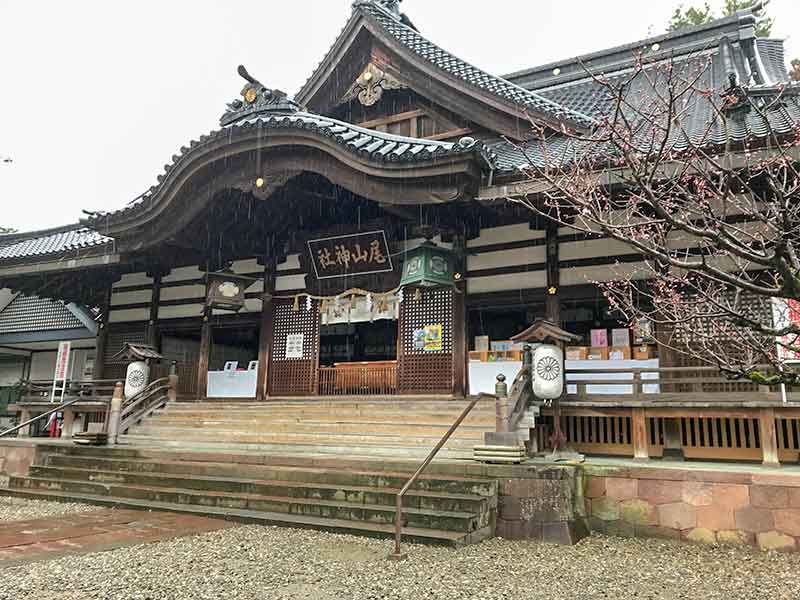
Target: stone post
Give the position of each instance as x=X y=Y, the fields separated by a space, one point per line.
x=24 y=415
x=67 y=423
x=115 y=413
x=172 y=393
x=501 y=404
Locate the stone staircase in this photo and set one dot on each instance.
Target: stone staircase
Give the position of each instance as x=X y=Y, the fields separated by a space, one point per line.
x=326 y=492
x=393 y=427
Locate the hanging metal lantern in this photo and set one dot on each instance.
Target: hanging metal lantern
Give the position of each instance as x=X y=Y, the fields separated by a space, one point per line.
x=428 y=265
x=226 y=290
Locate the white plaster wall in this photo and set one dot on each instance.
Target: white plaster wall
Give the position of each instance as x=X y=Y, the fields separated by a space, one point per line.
x=11 y=372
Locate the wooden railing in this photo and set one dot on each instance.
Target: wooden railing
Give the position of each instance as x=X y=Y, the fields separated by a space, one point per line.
x=150 y=399
x=42 y=389
x=398 y=515
x=657 y=383
x=358 y=379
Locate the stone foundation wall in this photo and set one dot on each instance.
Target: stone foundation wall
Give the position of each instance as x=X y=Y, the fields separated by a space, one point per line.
x=760 y=509
x=16 y=457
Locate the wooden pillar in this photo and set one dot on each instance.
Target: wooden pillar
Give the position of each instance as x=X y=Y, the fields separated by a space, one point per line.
x=769 y=437
x=101 y=343
x=267 y=332
x=552 y=304
x=205 y=351
x=639 y=432
x=460 y=353
x=155 y=300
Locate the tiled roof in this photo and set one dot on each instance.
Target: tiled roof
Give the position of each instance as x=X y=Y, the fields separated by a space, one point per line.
x=29 y=313
x=508 y=91
x=79 y=238
x=712 y=51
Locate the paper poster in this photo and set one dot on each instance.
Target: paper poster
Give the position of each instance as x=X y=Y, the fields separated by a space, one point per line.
x=294 y=345
x=785 y=313
x=599 y=338
x=620 y=337
x=419 y=339
x=481 y=342
x=433 y=338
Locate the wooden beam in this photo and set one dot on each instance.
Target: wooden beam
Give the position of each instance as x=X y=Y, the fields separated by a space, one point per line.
x=552 y=302
x=203 y=359
x=102 y=336
x=460 y=353
x=450 y=134
x=266 y=334
x=155 y=302
x=641 y=451
x=769 y=437
x=404 y=116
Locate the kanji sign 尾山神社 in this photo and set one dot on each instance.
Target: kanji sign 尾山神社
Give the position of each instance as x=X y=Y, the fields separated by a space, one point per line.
x=355 y=254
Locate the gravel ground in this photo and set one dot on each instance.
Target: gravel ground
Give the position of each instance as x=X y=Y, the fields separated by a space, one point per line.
x=252 y=562
x=21 y=509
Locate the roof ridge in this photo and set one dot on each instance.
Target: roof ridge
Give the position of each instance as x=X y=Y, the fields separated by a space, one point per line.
x=730 y=24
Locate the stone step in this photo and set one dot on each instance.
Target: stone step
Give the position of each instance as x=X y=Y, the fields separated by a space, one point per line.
x=343 y=449
x=359 y=438
x=425 y=420
x=343 y=476
x=462 y=522
x=157 y=426
x=374 y=495
x=352 y=527
x=396 y=414
x=338 y=403
x=447 y=468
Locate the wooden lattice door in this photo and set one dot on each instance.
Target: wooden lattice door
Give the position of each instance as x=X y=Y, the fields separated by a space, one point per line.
x=425 y=371
x=294 y=360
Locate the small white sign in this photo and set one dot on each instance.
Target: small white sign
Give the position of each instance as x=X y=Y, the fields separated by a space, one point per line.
x=294 y=345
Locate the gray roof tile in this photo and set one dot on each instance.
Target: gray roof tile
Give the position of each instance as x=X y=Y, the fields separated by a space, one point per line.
x=30 y=313
x=62 y=242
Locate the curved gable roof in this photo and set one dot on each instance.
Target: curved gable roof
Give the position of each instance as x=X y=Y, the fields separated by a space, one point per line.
x=389 y=26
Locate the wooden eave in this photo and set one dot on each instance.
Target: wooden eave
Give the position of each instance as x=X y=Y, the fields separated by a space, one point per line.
x=449 y=177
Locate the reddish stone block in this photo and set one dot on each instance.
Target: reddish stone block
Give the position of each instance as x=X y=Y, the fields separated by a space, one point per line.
x=595 y=487
x=660 y=492
x=794 y=497
x=787 y=520
x=509 y=508
x=696 y=493
x=655 y=531
x=677 y=515
x=731 y=496
x=769 y=496
x=620 y=488
x=754 y=520
x=715 y=518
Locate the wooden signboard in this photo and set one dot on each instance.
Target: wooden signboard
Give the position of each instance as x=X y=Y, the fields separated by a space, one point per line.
x=356 y=254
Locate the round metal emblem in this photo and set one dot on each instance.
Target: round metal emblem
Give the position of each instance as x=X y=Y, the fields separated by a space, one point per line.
x=136 y=379
x=548 y=368
x=250 y=95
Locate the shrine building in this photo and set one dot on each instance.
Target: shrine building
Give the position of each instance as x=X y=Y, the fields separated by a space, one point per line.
x=361 y=236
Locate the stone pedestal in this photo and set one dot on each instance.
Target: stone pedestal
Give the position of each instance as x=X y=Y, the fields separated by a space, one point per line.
x=542 y=503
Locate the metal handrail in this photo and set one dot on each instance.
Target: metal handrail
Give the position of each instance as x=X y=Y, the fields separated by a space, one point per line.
x=38 y=417
x=398 y=518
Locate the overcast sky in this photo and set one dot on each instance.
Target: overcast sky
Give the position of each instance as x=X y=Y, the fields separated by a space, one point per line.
x=96 y=96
